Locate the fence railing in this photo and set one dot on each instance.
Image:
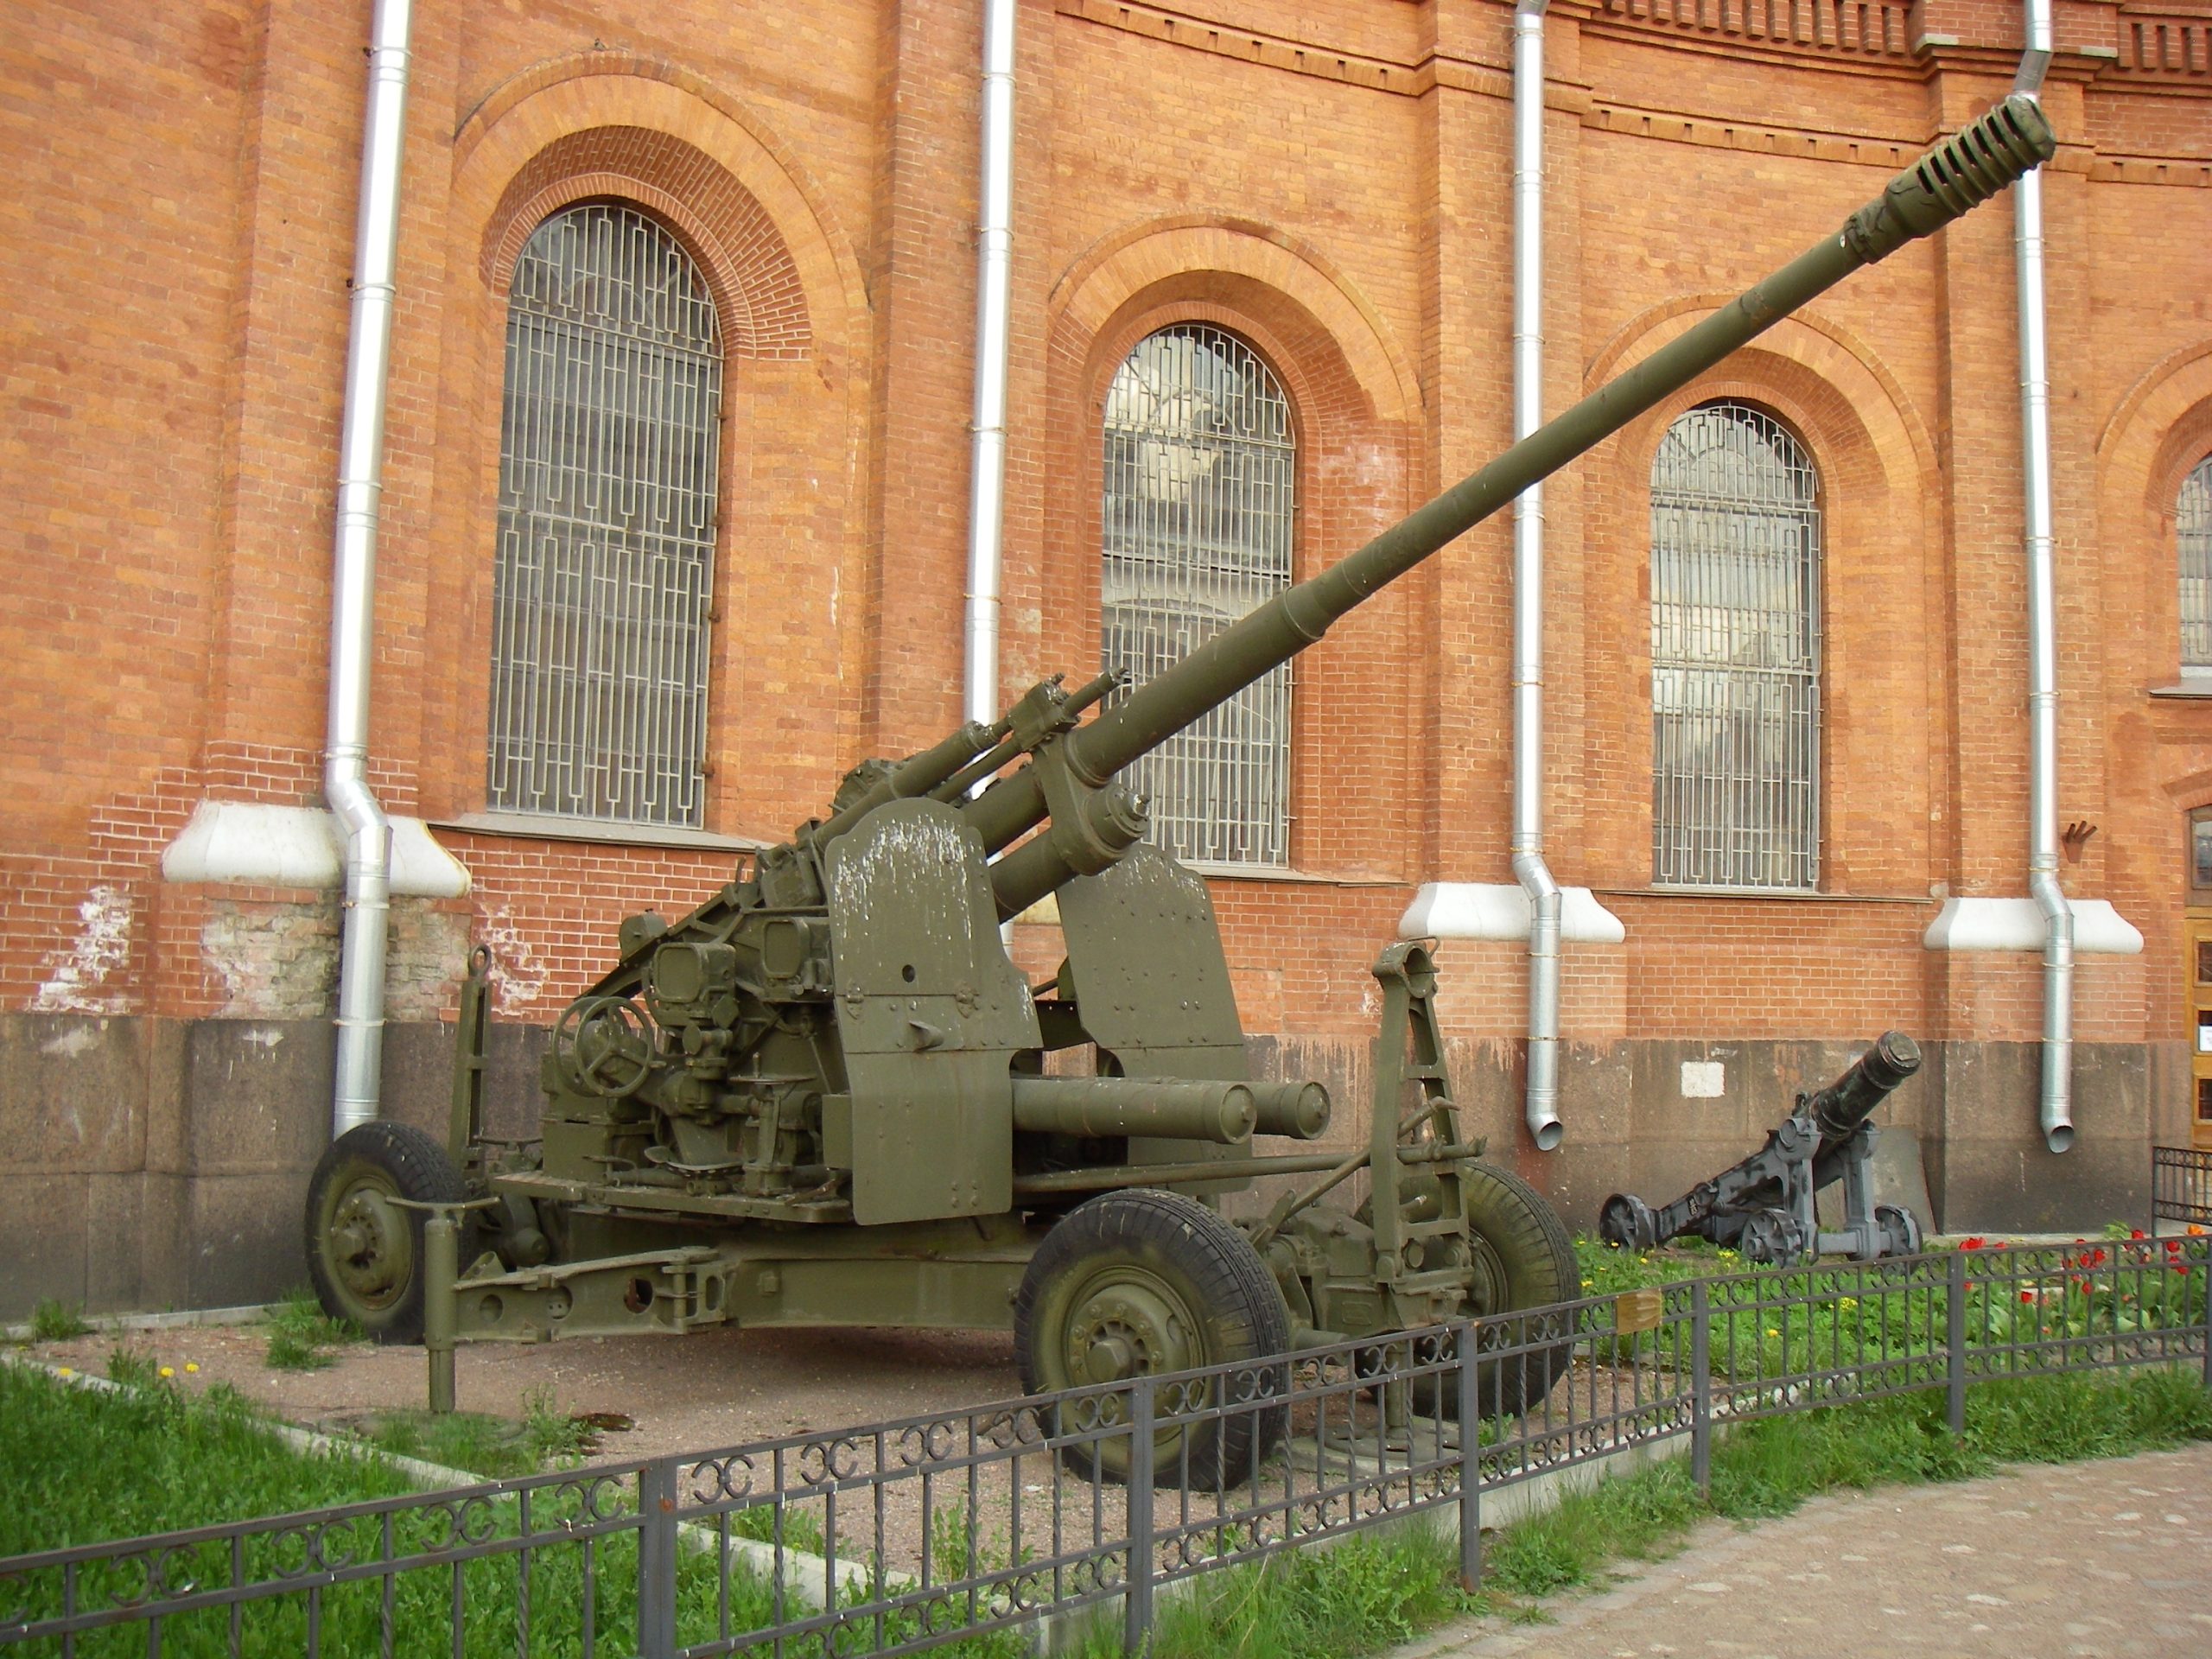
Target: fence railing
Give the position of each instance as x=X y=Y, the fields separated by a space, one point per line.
x=971 y=1525
x=2181 y=1185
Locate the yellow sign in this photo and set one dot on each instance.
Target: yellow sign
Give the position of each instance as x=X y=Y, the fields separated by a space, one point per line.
x=1638 y=1310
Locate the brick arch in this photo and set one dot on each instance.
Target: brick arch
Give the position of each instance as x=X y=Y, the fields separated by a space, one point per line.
x=794 y=446
x=1885 y=593
x=625 y=123
x=1355 y=408
x=1847 y=379
x=1280 y=279
x=2159 y=430
x=745 y=262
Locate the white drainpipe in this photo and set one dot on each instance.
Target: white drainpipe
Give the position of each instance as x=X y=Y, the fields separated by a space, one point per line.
x=995 y=256
x=2057 y=1103
x=359 y=1081
x=1528 y=866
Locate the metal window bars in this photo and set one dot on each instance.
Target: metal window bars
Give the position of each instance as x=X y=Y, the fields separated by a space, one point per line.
x=2193 y=515
x=1200 y=468
x=609 y=449
x=1735 y=654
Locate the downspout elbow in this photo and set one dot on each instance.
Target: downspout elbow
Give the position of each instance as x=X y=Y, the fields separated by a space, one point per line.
x=365 y=936
x=1541 y=1105
x=2056 y=1111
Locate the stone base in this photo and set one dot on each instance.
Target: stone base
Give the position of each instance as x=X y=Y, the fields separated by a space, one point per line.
x=152 y=1164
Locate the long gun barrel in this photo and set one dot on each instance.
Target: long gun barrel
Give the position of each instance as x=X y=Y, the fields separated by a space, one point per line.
x=1994 y=151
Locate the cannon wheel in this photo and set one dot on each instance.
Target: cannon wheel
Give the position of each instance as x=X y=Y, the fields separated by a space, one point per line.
x=364 y=1255
x=1523 y=1258
x=1139 y=1283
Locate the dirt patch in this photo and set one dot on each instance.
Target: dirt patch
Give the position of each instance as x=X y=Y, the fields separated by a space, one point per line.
x=684 y=1393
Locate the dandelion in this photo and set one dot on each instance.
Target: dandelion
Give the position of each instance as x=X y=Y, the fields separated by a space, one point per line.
x=1771 y=1331
x=65 y=1373
x=1586 y=1284
x=167 y=1371
x=191 y=1366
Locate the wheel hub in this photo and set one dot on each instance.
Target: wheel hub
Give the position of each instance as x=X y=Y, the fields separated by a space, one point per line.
x=1127 y=1330
x=368 y=1247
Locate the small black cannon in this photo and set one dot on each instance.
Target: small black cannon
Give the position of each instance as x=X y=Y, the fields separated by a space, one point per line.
x=1765 y=1204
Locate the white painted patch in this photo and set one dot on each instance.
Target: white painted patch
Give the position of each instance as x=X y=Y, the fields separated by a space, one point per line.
x=517 y=976
x=261 y=1036
x=1704 y=1079
x=102 y=947
x=1501 y=910
x=2018 y=924
x=301 y=847
x=78 y=1039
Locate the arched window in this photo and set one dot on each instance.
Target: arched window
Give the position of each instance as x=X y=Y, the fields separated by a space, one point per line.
x=1735 y=654
x=609 y=446
x=1200 y=467
x=2194 y=511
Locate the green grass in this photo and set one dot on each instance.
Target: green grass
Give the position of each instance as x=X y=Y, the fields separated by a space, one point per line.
x=54 y=1321
x=467 y=1440
x=82 y=1467
x=2093 y=1292
x=301 y=1335
x=494 y=1447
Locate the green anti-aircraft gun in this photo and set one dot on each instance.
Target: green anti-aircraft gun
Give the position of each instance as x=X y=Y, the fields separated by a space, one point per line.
x=826 y=1096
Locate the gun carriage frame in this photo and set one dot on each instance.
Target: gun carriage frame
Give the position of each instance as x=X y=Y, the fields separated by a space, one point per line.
x=826 y=1096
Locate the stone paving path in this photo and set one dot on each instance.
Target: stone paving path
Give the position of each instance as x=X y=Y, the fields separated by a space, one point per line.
x=2095 y=1560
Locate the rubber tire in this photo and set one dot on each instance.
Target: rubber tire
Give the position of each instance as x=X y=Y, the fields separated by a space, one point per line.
x=398 y=1160
x=1207 y=1265
x=1532 y=1246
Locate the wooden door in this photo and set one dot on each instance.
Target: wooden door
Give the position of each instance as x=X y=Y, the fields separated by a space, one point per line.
x=2200 y=1004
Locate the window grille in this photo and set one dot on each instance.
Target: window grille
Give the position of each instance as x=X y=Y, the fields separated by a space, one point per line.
x=609 y=447
x=2194 y=510
x=1735 y=654
x=1200 y=466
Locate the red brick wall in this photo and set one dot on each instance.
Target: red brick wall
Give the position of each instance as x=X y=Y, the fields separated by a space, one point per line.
x=1333 y=184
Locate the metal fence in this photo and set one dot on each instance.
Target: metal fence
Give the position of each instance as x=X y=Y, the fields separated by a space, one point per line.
x=971 y=1526
x=2181 y=1185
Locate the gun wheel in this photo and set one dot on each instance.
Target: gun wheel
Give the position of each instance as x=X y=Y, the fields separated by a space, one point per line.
x=1772 y=1238
x=1523 y=1258
x=1627 y=1222
x=365 y=1254
x=1140 y=1283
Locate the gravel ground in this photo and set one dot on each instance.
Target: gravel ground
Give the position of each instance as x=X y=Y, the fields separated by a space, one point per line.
x=714 y=1388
